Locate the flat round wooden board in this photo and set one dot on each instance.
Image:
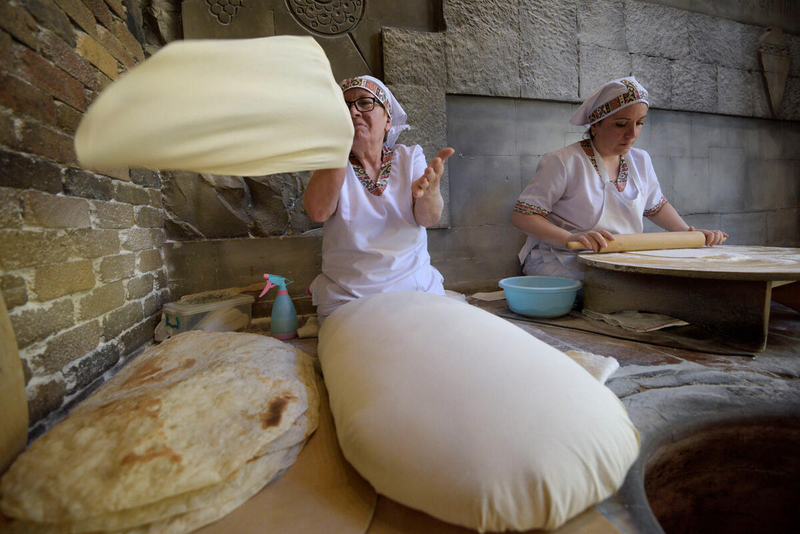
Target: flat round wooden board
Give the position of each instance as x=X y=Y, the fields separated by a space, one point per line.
x=728 y=262
x=320 y=492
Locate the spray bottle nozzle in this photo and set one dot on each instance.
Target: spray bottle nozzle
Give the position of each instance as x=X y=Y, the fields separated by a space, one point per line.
x=273 y=280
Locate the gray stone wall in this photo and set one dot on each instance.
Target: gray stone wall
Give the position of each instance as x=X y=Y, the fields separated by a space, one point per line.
x=81 y=265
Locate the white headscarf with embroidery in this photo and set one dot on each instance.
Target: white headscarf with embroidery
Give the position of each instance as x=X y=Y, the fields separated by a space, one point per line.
x=387 y=100
x=608 y=99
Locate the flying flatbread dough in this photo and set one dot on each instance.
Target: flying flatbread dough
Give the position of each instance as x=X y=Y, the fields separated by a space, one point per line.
x=245 y=107
x=201 y=421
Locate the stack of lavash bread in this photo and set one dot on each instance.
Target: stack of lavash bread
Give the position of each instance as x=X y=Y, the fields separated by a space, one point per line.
x=187 y=432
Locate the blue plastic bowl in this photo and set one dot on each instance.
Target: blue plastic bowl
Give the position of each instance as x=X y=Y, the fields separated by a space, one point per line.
x=540 y=296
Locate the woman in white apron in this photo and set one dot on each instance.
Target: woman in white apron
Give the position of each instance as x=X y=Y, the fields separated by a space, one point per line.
x=376 y=208
x=595 y=188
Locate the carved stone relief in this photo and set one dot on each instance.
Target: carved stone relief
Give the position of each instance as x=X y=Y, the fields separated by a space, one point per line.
x=774 y=56
x=327 y=17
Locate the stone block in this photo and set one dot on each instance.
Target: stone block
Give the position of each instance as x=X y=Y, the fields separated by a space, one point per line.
x=734 y=92
x=25 y=172
x=793 y=42
x=67 y=347
x=118 y=7
x=81 y=14
x=46 y=12
x=783 y=228
x=90 y=243
x=97 y=56
x=67 y=118
x=45 y=394
x=112 y=214
x=480 y=126
x=665 y=170
x=26 y=99
x=53 y=281
x=155 y=198
x=81 y=183
x=53 y=211
x=548 y=50
x=541 y=127
x=469 y=276
x=82 y=372
x=599 y=24
x=790 y=105
x=15 y=291
x=149 y=217
x=151 y=304
x=669 y=134
x=145 y=178
x=658 y=31
x=694 y=86
x=708 y=221
x=475 y=243
x=101 y=11
x=722 y=42
x=38 y=139
x=601 y=65
x=50 y=79
x=771 y=145
x=113 y=268
x=139 y=287
x=655 y=74
x=161 y=281
x=727 y=179
x=32 y=325
x=707 y=131
x=744 y=228
x=138 y=336
x=149 y=260
x=120 y=173
x=772 y=184
x=7 y=60
x=110 y=42
x=484 y=189
x=482 y=47
x=136 y=239
x=121 y=319
x=127 y=39
x=18 y=22
x=102 y=300
x=424 y=50
x=10 y=208
x=130 y=194
x=64 y=55
x=25 y=248
x=690 y=185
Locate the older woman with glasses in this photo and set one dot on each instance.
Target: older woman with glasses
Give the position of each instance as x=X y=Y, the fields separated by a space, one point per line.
x=376 y=208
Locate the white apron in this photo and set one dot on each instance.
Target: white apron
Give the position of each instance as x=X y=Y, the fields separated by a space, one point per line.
x=372 y=244
x=618 y=216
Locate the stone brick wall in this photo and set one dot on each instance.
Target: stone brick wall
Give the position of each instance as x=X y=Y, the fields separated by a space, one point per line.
x=81 y=266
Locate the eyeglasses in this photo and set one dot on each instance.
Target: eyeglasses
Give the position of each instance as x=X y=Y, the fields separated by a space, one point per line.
x=363 y=104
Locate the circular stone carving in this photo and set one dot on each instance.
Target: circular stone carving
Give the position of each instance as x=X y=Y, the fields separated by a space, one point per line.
x=224 y=10
x=327 y=17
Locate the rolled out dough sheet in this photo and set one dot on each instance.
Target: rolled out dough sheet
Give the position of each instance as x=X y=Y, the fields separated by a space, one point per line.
x=244 y=107
x=688 y=253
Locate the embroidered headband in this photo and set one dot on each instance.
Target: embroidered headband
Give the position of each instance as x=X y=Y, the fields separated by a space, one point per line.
x=368 y=85
x=608 y=99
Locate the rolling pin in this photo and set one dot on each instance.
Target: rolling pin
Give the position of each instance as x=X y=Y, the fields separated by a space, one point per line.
x=649 y=241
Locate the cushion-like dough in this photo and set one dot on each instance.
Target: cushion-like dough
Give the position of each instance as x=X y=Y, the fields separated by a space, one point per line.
x=244 y=107
x=451 y=410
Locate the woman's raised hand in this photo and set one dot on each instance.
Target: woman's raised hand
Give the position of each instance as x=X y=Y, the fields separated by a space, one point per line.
x=592 y=239
x=429 y=182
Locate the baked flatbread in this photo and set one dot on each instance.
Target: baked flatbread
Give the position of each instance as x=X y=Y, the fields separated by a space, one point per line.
x=179 y=426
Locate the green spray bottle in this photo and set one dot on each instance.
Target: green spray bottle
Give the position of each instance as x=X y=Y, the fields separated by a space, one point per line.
x=283 y=324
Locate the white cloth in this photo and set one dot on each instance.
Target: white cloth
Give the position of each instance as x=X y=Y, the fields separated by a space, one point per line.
x=244 y=107
x=568 y=190
x=373 y=244
x=608 y=99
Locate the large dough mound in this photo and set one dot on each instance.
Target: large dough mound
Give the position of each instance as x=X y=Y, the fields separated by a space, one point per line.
x=190 y=427
x=451 y=410
x=245 y=107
